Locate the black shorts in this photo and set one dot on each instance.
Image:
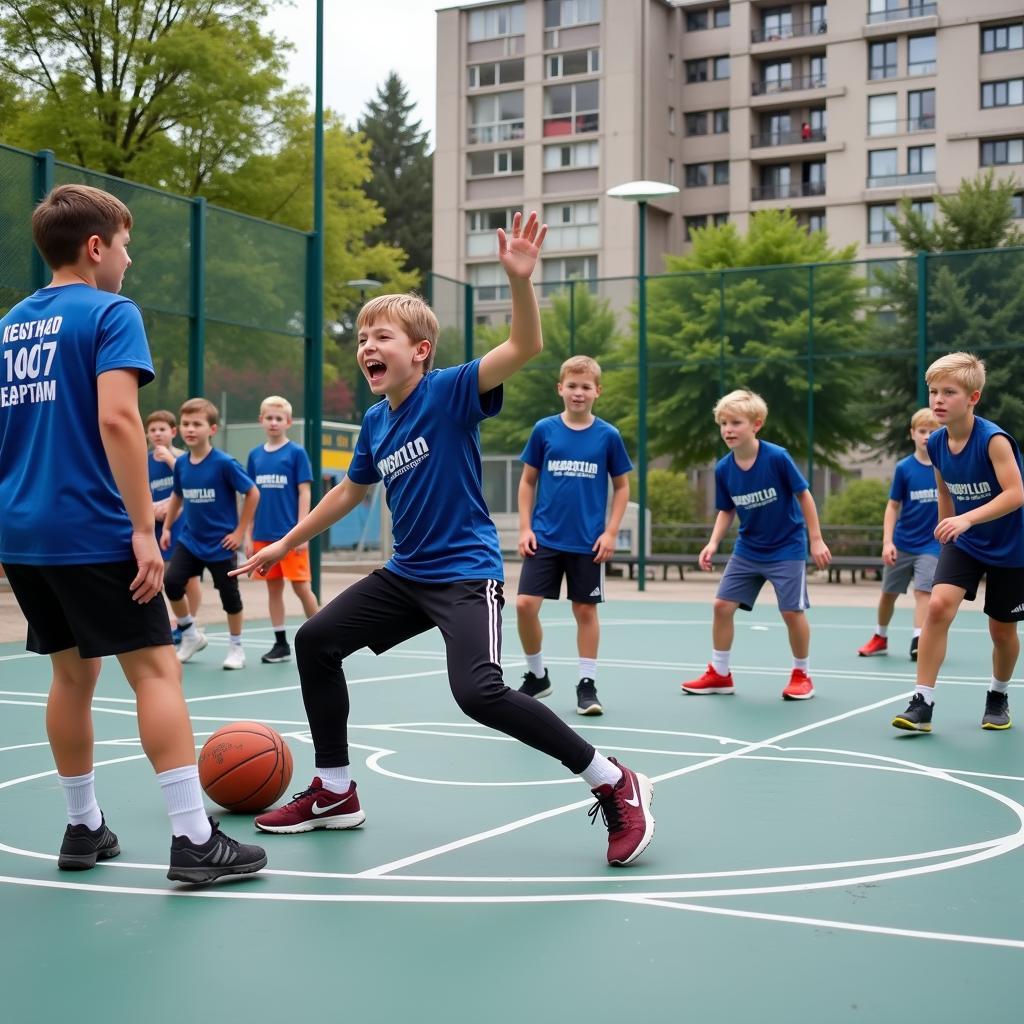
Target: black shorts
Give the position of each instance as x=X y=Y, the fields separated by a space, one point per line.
x=1004 y=586
x=87 y=606
x=184 y=565
x=542 y=575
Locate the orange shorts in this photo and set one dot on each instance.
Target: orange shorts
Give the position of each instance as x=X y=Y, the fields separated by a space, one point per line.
x=294 y=566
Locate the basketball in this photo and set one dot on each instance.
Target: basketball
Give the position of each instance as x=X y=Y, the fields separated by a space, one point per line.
x=245 y=767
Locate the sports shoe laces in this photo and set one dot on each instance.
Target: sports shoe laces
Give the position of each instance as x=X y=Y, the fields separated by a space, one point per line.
x=995 y=701
x=608 y=807
x=298 y=797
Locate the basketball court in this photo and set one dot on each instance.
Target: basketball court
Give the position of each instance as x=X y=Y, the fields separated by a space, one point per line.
x=810 y=862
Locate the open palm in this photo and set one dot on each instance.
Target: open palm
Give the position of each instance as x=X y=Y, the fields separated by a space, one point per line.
x=518 y=253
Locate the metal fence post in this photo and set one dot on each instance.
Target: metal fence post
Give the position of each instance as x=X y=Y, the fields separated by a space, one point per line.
x=197 y=305
x=810 y=378
x=922 y=327
x=42 y=185
x=572 y=317
x=467 y=303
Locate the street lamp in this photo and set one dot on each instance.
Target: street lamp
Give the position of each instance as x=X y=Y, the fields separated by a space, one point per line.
x=641 y=193
x=364 y=284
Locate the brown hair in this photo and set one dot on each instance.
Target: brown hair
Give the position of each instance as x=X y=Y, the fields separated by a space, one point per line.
x=410 y=312
x=200 y=407
x=70 y=215
x=162 y=416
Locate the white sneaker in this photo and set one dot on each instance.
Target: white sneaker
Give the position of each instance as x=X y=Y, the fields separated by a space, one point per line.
x=190 y=644
x=236 y=657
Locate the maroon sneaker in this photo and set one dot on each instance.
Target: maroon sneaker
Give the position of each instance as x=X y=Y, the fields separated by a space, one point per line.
x=313 y=808
x=626 y=810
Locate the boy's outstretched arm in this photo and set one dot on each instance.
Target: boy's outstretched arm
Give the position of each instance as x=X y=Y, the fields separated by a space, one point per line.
x=819 y=549
x=518 y=256
x=605 y=544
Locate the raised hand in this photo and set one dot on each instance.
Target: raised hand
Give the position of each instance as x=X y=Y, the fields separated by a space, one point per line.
x=518 y=253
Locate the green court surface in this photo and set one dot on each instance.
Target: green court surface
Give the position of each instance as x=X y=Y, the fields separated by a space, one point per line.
x=810 y=863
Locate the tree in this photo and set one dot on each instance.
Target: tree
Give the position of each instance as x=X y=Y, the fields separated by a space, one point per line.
x=862 y=503
x=402 y=181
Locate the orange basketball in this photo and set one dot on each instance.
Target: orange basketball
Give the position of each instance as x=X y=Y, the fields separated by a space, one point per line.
x=245 y=767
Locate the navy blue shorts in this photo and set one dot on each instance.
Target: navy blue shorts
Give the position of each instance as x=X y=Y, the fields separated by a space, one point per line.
x=542 y=574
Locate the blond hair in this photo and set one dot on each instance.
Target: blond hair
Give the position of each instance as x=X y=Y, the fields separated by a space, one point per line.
x=580 y=364
x=743 y=401
x=275 y=401
x=200 y=407
x=963 y=367
x=70 y=215
x=922 y=417
x=410 y=312
x=162 y=416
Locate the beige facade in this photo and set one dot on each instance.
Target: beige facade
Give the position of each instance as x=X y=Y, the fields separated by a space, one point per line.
x=835 y=110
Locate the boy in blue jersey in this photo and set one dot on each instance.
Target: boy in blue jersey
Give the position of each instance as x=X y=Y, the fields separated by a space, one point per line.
x=283 y=474
x=161 y=430
x=562 y=530
x=77 y=527
x=205 y=485
x=909 y=548
x=423 y=442
x=981 y=530
x=760 y=482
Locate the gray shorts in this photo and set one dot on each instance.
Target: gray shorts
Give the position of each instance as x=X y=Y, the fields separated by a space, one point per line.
x=921 y=568
x=743 y=579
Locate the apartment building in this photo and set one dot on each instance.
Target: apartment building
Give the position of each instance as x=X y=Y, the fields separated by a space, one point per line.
x=835 y=110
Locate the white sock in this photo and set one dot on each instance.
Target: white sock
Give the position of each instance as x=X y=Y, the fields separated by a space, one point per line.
x=277 y=627
x=235 y=639
x=928 y=692
x=184 y=799
x=588 y=668
x=720 y=662
x=882 y=630
x=535 y=663
x=801 y=663
x=917 y=632
x=337 y=780
x=601 y=772
x=80 y=796
x=999 y=687
x=187 y=625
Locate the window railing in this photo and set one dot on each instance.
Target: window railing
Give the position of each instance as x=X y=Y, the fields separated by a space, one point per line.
x=819 y=26
x=792 y=84
x=496 y=131
x=792 y=190
x=791 y=138
x=570 y=124
x=880 y=237
x=899 y=180
x=902 y=13
x=923 y=123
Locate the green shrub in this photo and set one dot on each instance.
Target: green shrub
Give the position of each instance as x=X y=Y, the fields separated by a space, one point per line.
x=862 y=503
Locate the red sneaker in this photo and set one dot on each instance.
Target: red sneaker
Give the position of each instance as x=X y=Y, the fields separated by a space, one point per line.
x=626 y=810
x=799 y=686
x=710 y=682
x=315 y=807
x=875 y=646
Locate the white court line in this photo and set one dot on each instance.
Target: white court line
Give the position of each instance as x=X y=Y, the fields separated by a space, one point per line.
x=815 y=922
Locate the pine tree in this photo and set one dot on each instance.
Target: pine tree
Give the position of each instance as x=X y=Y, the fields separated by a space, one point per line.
x=402 y=182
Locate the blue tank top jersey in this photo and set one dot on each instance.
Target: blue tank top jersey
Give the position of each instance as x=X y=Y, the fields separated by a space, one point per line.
x=572 y=486
x=59 y=504
x=278 y=474
x=913 y=486
x=427 y=452
x=209 y=490
x=772 y=526
x=971 y=481
x=161 y=485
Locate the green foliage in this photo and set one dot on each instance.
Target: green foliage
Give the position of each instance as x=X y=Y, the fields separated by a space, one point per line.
x=861 y=503
x=670 y=496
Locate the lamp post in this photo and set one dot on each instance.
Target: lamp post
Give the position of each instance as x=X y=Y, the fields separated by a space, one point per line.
x=364 y=284
x=641 y=193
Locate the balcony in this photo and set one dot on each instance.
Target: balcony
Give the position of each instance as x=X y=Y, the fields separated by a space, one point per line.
x=924 y=123
x=902 y=180
x=780 y=32
x=570 y=124
x=784 y=85
x=764 y=139
x=790 y=190
x=495 y=131
x=902 y=13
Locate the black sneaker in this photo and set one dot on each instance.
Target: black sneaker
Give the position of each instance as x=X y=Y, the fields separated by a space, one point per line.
x=997 y=711
x=913 y=648
x=279 y=652
x=917 y=717
x=586 y=698
x=536 y=686
x=219 y=855
x=82 y=847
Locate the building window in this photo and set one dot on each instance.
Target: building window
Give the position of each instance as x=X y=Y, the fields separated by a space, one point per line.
x=996 y=152
x=480 y=228
x=691 y=224
x=566 y=13
x=721 y=67
x=569 y=268
x=699 y=175
x=819 y=76
x=718 y=219
x=497 y=117
x=819 y=18
x=776 y=76
x=672 y=120
x=489 y=282
x=921 y=55
x=721 y=122
x=882 y=114
x=897 y=10
x=697 y=21
x=697 y=70
x=812 y=178
x=921 y=111
x=721 y=17
x=697 y=122
x=816 y=221
x=671 y=179
x=1017 y=202
x=1007 y=93
x=671 y=65
x=571 y=109
x=496 y=161
x=575 y=154
x=921 y=160
x=572 y=225
x=880 y=229
x=926 y=208
x=882 y=60
x=881 y=167
x=777 y=23
x=1002 y=37
x=493 y=22
x=500 y=72
x=574 y=62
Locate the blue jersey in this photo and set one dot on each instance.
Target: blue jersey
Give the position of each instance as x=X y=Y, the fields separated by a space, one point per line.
x=971 y=481
x=572 y=486
x=427 y=452
x=772 y=526
x=278 y=474
x=59 y=504
x=208 y=490
x=913 y=486
x=161 y=485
